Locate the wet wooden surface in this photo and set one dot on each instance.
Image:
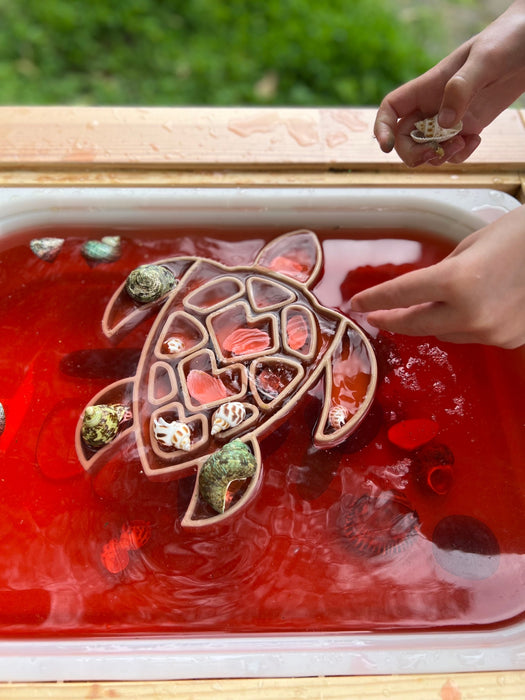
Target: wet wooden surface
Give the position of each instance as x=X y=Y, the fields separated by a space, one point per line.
x=89 y=146
x=476 y=686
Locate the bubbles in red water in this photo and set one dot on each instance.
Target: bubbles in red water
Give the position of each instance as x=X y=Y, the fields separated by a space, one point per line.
x=374 y=525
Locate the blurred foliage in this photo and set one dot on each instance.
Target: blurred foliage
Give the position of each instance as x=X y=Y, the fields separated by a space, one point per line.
x=208 y=52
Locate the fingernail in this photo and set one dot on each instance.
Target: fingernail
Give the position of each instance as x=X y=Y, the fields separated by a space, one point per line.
x=447 y=118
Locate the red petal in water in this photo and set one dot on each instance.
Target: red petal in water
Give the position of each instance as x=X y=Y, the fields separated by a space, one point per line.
x=246 y=341
x=114 y=557
x=135 y=534
x=412 y=433
x=204 y=387
x=296 y=331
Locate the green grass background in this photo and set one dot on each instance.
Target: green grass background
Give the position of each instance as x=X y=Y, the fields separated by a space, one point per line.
x=211 y=52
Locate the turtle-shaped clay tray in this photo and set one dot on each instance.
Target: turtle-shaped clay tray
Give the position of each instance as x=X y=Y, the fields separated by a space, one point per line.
x=231 y=353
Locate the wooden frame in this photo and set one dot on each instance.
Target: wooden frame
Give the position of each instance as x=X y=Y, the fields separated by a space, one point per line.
x=190 y=147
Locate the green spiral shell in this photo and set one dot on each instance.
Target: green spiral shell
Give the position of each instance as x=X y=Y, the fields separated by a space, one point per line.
x=149 y=282
x=233 y=462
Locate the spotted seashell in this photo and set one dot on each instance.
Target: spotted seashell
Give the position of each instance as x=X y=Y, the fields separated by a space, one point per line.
x=2 y=419
x=46 y=248
x=228 y=416
x=172 y=434
x=173 y=345
x=105 y=250
x=150 y=282
x=429 y=130
x=337 y=417
x=100 y=425
x=234 y=462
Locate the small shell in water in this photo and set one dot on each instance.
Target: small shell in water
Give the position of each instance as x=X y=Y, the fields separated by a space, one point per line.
x=105 y=250
x=100 y=424
x=337 y=417
x=172 y=434
x=227 y=416
x=234 y=462
x=148 y=283
x=46 y=248
x=429 y=130
x=172 y=345
x=2 y=419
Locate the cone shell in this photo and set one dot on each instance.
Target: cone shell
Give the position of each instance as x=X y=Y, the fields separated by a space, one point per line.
x=148 y=283
x=234 y=462
x=46 y=248
x=429 y=130
x=100 y=425
x=227 y=416
x=172 y=434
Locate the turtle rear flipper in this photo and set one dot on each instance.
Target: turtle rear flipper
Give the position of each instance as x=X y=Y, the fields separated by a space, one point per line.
x=350 y=381
x=224 y=486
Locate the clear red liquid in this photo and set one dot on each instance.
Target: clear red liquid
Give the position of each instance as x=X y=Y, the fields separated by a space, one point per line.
x=287 y=562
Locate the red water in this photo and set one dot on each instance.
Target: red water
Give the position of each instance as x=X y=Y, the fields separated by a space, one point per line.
x=333 y=540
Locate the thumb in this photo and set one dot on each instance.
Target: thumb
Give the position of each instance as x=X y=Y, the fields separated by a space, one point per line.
x=461 y=89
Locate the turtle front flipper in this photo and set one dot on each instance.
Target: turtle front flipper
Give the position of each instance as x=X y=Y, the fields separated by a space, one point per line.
x=146 y=288
x=350 y=381
x=225 y=482
x=105 y=425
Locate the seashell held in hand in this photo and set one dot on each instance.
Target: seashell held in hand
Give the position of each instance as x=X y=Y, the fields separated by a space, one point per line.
x=172 y=434
x=148 y=283
x=227 y=416
x=429 y=130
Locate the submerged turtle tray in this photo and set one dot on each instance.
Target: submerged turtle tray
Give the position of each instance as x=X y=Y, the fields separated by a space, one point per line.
x=231 y=353
x=207 y=454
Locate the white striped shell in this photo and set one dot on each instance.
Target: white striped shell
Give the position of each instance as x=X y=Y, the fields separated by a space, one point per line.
x=227 y=416
x=429 y=130
x=172 y=433
x=173 y=345
x=337 y=417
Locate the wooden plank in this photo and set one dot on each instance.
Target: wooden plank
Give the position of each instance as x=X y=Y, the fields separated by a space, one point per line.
x=481 y=686
x=189 y=137
x=505 y=181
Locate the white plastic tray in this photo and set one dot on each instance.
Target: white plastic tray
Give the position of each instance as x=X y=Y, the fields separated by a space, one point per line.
x=452 y=213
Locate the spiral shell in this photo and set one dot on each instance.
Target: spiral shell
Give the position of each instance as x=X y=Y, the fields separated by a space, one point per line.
x=173 y=345
x=429 y=130
x=105 y=250
x=148 y=283
x=172 y=433
x=2 y=419
x=337 y=417
x=100 y=424
x=46 y=248
x=227 y=416
x=234 y=462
